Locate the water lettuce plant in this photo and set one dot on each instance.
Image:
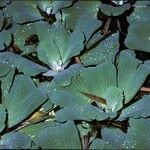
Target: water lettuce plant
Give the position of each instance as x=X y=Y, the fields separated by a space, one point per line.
x=74 y=74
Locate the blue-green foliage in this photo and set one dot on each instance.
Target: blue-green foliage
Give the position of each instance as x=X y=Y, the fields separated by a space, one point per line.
x=68 y=79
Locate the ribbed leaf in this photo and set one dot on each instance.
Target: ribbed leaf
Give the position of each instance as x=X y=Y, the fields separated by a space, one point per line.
x=22 y=99
x=114 y=11
x=105 y=51
x=138 y=36
x=80 y=9
x=3 y=117
x=131 y=74
x=23 y=65
x=5 y=38
x=59 y=47
x=87 y=113
x=22 y=11
x=6 y=82
x=101 y=144
x=139 y=29
x=114 y=136
x=15 y=140
x=21 y=33
x=51 y=135
x=138 y=136
x=5 y=69
x=138 y=109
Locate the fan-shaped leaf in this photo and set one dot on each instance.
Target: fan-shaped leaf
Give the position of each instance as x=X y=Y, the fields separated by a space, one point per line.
x=136 y=110
x=23 y=11
x=131 y=74
x=80 y=9
x=23 y=65
x=114 y=11
x=3 y=117
x=15 y=140
x=22 y=99
x=5 y=39
x=138 y=37
x=105 y=51
x=51 y=135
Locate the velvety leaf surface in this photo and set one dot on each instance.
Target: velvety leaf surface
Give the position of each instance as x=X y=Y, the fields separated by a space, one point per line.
x=59 y=47
x=23 y=11
x=137 y=136
x=23 y=65
x=5 y=67
x=131 y=74
x=80 y=9
x=5 y=39
x=138 y=109
x=139 y=30
x=15 y=140
x=3 y=117
x=105 y=51
x=114 y=11
x=53 y=135
x=22 y=93
x=6 y=82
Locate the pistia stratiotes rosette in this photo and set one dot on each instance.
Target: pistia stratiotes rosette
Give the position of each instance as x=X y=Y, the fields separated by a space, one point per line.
x=107 y=85
x=61 y=46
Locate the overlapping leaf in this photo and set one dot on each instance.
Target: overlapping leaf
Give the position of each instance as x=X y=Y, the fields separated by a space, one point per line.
x=22 y=93
x=138 y=37
x=15 y=140
x=22 y=11
x=114 y=11
x=131 y=74
x=23 y=65
x=137 y=110
x=106 y=50
x=54 y=135
x=3 y=117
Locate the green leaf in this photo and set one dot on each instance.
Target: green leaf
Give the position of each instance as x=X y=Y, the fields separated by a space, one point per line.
x=138 y=37
x=5 y=67
x=137 y=109
x=57 y=50
x=52 y=135
x=138 y=136
x=131 y=74
x=105 y=51
x=15 y=140
x=80 y=9
x=52 y=7
x=23 y=65
x=3 y=117
x=22 y=99
x=6 y=83
x=5 y=39
x=87 y=112
x=101 y=144
x=45 y=87
x=22 y=11
x=114 y=11
x=1 y=20
x=93 y=84
x=4 y=3
x=64 y=78
x=21 y=33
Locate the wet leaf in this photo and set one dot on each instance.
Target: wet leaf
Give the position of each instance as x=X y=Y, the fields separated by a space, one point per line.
x=52 y=135
x=22 y=99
